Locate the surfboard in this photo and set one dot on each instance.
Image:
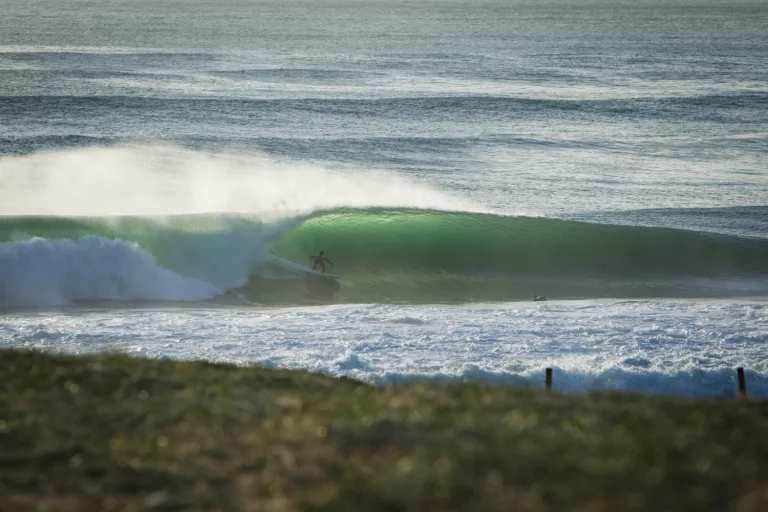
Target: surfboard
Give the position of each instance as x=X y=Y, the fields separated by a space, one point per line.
x=315 y=273
x=301 y=269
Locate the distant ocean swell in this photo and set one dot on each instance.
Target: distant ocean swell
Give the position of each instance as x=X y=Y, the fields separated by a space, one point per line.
x=383 y=255
x=443 y=106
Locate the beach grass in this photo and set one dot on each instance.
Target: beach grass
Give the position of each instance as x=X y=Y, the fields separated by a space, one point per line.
x=112 y=432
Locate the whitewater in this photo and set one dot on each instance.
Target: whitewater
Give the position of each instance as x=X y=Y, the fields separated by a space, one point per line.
x=162 y=188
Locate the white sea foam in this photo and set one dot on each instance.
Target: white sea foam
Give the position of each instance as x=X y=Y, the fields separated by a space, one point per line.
x=679 y=347
x=40 y=272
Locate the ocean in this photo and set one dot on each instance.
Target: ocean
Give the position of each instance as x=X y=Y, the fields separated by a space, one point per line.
x=167 y=169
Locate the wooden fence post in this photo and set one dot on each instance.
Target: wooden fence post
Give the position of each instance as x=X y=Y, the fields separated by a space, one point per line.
x=742 y=382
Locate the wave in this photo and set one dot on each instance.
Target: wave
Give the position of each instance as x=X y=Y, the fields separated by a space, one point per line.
x=748 y=221
x=26 y=145
x=179 y=258
x=431 y=106
x=40 y=272
x=94 y=53
x=393 y=255
x=384 y=255
x=301 y=75
x=394 y=149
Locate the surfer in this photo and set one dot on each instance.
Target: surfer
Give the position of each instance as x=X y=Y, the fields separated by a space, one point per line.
x=320 y=259
x=539 y=298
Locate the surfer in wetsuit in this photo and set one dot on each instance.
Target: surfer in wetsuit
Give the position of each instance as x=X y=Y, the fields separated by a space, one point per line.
x=320 y=259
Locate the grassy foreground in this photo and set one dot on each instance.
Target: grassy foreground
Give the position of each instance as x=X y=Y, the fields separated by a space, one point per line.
x=112 y=432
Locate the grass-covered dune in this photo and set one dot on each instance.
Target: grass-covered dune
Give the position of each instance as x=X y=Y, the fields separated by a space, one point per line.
x=117 y=433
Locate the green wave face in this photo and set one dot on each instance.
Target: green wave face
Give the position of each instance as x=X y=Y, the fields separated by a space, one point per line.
x=412 y=256
x=404 y=255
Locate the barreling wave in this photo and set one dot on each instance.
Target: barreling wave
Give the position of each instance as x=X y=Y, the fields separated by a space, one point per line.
x=403 y=255
x=383 y=255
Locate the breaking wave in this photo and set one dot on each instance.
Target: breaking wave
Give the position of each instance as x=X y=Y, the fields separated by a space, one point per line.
x=384 y=255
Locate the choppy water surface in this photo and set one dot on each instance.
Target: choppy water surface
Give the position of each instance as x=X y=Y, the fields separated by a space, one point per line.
x=679 y=347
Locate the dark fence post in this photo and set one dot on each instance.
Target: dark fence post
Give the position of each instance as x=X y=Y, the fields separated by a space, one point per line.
x=742 y=383
x=548 y=378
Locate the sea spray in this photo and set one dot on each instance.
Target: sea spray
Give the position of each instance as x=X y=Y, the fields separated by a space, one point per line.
x=166 y=179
